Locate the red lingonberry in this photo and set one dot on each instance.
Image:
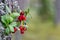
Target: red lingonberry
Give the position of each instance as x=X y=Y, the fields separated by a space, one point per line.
x=21 y=30
x=22 y=13
x=21 y=18
x=15 y=29
x=24 y=28
x=24 y=18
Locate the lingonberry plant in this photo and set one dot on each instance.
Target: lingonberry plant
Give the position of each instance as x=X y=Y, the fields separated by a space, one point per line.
x=14 y=19
x=10 y=23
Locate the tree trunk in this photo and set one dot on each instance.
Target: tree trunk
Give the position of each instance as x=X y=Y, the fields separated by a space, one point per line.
x=57 y=20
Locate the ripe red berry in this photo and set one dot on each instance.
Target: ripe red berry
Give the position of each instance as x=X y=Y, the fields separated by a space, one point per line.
x=21 y=18
x=22 y=13
x=21 y=30
x=20 y=27
x=24 y=18
x=24 y=28
x=15 y=29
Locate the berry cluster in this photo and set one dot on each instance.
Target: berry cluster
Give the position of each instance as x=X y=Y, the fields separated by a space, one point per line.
x=23 y=27
x=22 y=17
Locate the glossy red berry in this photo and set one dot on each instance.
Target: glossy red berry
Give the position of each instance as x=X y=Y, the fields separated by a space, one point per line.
x=22 y=13
x=24 y=28
x=21 y=18
x=15 y=29
x=21 y=30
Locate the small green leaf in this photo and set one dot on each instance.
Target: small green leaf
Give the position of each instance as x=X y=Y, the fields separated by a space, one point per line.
x=10 y=19
x=27 y=11
x=3 y=19
x=11 y=28
x=29 y=17
x=13 y=24
x=7 y=31
x=8 y=9
x=7 y=19
x=14 y=15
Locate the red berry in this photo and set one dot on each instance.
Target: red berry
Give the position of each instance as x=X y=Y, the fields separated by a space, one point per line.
x=24 y=28
x=15 y=29
x=21 y=18
x=24 y=18
x=22 y=13
x=20 y=27
x=21 y=30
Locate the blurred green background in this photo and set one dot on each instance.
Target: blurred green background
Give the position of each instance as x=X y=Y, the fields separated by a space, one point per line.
x=42 y=26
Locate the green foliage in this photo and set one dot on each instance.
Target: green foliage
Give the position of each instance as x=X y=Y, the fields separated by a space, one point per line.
x=13 y=24
x=14 y=14
x=47 y=10
x=7 y=31
x=11 y=28
x=8 y=10
x=6 y=19
x=46 y=7
x=28 y=15
x=8 y=22
x=27 y=11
